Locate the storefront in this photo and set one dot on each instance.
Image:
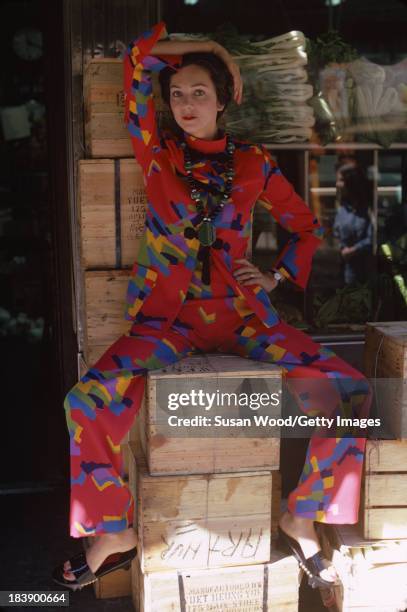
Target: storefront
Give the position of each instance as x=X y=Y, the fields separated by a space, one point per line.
x=325 y=90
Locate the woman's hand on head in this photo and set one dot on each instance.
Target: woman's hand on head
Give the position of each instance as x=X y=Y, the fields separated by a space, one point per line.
x=248 y=274
x=179 y=47
x=233 y=69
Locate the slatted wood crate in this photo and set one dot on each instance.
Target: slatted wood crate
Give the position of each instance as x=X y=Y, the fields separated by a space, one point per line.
x=249 y=588
x=112 y=212
x=385 y=357
x=167 y=453
x=373 y=572
x=105 y=132
x=115 y=584
x=105 y=297
x=203 y=520
x=384 y=500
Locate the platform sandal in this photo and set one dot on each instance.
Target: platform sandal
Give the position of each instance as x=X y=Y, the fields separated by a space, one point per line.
x=312 y=566
x=84 y=574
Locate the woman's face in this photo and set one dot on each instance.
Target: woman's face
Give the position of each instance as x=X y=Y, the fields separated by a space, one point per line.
x=194 y=102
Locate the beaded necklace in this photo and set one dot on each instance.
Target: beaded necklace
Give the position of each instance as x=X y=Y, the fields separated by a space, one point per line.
x=206 y=230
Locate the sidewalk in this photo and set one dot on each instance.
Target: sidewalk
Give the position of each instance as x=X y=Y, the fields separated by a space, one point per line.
x=35 y=539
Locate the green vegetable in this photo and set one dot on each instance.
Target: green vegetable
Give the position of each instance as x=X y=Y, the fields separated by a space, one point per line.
x=351 y=304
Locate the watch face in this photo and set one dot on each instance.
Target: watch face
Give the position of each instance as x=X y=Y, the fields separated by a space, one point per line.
x=27 y=44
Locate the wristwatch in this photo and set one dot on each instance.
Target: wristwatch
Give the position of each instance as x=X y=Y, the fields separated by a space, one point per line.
x=276 y=274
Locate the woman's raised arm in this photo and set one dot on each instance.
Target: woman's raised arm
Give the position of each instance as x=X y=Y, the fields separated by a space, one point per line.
x=180 y=47
x=149 y=53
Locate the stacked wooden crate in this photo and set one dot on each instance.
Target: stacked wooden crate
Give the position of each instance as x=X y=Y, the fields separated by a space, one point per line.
x=371 y=557
x=207 y=506
x=384 y=502
x=384 y=493
x=373 y=572
x=111 y=207
x=112 y=214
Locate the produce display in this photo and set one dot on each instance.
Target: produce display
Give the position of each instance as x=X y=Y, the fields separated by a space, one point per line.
x=298 y=90
x=276 y=91
x=276 y=87
x=363 y=100
x=350 y=304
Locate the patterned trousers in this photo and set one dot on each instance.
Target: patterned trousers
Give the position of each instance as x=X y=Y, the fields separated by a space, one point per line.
x=101 y=407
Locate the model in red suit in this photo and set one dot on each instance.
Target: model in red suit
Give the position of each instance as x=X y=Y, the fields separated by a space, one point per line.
x=192 y=287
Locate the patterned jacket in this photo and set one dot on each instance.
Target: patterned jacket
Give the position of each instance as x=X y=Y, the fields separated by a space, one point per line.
x=167 y=256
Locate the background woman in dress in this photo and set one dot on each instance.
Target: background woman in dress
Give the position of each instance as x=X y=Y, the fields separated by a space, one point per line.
x=352 y=226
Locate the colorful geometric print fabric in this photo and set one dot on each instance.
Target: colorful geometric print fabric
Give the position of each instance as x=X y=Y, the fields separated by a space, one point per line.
x=167 y=248
x=101 y=408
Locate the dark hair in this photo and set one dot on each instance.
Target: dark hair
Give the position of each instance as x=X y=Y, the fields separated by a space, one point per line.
x=356 y=187
x=218 y=71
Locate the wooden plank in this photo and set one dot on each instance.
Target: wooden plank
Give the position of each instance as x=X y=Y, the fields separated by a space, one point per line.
x=105 y=293
x=371 y=572
x=385 y=522
x=171 y=454
x=105 y=132
x=98 y=228
x=386 y=489
x=248 y=588
x=115 y=584
x=384 y=493
x=95 y=352
x=201 y=521
x=385 y=357
x=386 y=456
x=82 y=366
x=208 y=455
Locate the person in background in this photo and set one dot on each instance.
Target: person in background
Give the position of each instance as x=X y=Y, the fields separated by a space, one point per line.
x=352 y=225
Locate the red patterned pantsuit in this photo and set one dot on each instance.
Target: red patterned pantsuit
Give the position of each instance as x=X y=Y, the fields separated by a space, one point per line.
x=101 y=408
x=174 y=312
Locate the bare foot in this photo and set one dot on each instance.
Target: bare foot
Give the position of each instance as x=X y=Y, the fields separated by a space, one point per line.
x=102 y=547
x=303 y=531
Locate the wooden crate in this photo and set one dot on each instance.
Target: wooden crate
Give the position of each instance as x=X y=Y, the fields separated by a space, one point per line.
x=115 y=584
x=105 y=132
x=249 y=588
x=206 y=520
x=105 y=298
x=385 y=357
x=169 y=454
x=384 y=500
x=373 y=573
x=112 y=212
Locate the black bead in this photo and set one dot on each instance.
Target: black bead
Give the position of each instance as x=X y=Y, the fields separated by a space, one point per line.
x=189 y=233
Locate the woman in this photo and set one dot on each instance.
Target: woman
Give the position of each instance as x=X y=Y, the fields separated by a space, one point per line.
x=192 y=287
x=353 y=226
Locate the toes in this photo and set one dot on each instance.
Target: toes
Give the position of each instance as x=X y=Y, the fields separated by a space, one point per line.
x=68 y=575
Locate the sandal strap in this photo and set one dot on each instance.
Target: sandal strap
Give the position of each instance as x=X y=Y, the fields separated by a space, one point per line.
x=81 y=569
x=317 y=563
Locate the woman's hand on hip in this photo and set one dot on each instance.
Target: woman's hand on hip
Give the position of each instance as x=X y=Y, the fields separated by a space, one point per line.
x=248 y=274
